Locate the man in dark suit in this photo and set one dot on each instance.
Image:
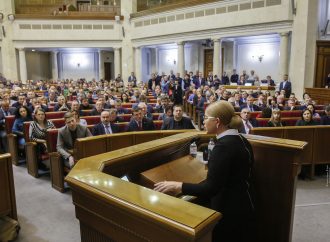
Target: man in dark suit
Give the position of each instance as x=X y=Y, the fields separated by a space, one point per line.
x=105 y=127
x=248 y=122
x=5 y=111
x=97 y=110
x=249 y=105
x=132 y=79
x=138 y=122
x=177 y=121
x=67 y=135
x=234 y=77
x=286 y=86
x=199 y=81
x=20 y=102
x=153 y=82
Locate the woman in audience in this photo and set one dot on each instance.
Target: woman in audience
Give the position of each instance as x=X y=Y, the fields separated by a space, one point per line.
x=37 y=133
x=306 y=119
x=275 y=119
x=311 y=107
x=22 y=115
x=79 y=120
x=227 y=185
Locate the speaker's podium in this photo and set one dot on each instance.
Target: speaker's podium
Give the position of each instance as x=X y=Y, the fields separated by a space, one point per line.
x=113 y=202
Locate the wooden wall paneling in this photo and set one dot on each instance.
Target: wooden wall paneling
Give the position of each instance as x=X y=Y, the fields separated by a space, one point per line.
x=321 y=145
x=273 y=132
x=208 y=61
x=91 y=146
x=7 y=188
x=322 y=66
x=118 y=141
x=147 y=136
x=320 y=95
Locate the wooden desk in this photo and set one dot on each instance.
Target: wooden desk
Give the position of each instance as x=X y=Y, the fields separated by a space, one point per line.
x=320 y=95
x=177 y=170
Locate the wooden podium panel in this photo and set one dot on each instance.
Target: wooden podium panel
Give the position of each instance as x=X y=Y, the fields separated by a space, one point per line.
x=186 y=169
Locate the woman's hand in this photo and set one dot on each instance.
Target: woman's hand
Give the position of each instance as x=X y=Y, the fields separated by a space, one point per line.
x=169 y=187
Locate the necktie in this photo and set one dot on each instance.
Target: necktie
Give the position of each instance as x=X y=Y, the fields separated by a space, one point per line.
x=107 y=130
x=251 y=108
x=249 y=126
x=140 y=125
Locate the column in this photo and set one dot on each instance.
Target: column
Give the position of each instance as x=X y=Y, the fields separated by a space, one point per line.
x=54 y=65
x=181 y=63
x=117 y=62
x=138 y=64
x=22 y=65
x=101 y=65
x=216 y=57
x=284 y=55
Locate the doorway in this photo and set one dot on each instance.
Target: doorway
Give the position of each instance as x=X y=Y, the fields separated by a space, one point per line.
x=107 y=71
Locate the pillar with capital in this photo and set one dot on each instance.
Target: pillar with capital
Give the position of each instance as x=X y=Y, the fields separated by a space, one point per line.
x=181 y=61
x=138 y=62
x=22 y=65
x=284 y=55
x=54 y=65
x=117 y=62
x=217 y=57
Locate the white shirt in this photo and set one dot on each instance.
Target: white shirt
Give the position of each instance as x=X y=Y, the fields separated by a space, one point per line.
x=227 y=132
x=246 y=127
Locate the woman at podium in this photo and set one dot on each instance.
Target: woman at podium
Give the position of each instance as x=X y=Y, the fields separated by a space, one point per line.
x=227 y=185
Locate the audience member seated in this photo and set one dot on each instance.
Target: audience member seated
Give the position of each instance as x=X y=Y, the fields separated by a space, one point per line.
x=275 y=119
x=79 y=120
x=312 y=109
x=248 y=122
x=22 y=115
x=5 y=111
x=265 y=113
x=61 y=104
x=97 y=110
x=37 y=133
x=105 y=126
x=85 y=104
x=139 y=122
x=306 y=100
x=52 y=98
x=325 y=120
x=119 y=108
x=291 y=105
x=35 y=103
x=306 y=119
x=20 y=102
x=67 y=135
x=168 y=113
x=124 y=98
x=177 y=121
x=261 y=102
x=249 y=105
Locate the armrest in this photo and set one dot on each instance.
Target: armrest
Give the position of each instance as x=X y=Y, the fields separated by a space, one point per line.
x=57 y=171
x=13 y=148
x=31 y=158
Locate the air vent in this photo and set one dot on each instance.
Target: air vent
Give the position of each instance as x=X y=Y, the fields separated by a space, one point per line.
x=221 y=10
x=87 y=26
x=154 y=21
x=107 y=26
x=210 y=11
x=258 y=4
x=46 y=26
x=180 y=16
x=77 y=26
x=273 y=2
x=146 y=22
x=97 y=26
x=57 y=26
x=245 y=6
x=170 y=18
x=137 y=24
x=162 y=20
x=190 y=15
x=67 y=26
x=36 y=26
x=25 y=26
x=233 y=8
x=199 y=13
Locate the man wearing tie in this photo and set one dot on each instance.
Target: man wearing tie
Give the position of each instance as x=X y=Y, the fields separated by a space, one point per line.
x=249 y=105
x=139 y=122
x=5 y=111
x=105 y=127
x=248 y=123
x=286 y=86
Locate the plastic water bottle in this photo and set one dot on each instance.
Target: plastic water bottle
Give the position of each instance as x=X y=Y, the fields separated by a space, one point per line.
x=210 y=147
x=193 y=149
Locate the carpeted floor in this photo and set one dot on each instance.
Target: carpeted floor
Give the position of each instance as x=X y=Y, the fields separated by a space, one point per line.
x=45 y=215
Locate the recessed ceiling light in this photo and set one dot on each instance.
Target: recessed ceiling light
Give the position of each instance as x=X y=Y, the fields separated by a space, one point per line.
x=33 y=50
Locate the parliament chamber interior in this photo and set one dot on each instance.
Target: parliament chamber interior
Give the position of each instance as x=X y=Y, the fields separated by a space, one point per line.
x=163 y=120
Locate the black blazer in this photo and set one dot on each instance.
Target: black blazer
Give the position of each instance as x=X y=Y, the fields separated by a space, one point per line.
x=226 y=186
x=168 y=123
x=98 y=129
x=147 y=124
x=255 y=107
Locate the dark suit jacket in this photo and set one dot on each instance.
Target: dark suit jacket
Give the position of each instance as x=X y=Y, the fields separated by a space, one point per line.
x=325 y=120
x=98 y=129
x=287 y=88
x=64 y=139
x=226 y=186
x=185 y=123
x=254 y=123
x=11 y=111
x=94 y=112
x=147 y=124
x=255 y=107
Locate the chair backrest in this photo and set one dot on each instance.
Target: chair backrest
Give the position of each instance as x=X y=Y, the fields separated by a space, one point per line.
x=158 y=124
x=9 y=122
x=55 y=115
x=295 y=113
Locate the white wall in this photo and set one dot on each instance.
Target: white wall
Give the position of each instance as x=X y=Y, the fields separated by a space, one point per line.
x=78 y=65
x=270 y=61
x=38 y=65
x=228 y=57
x=146 y=64
x=0 y=62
